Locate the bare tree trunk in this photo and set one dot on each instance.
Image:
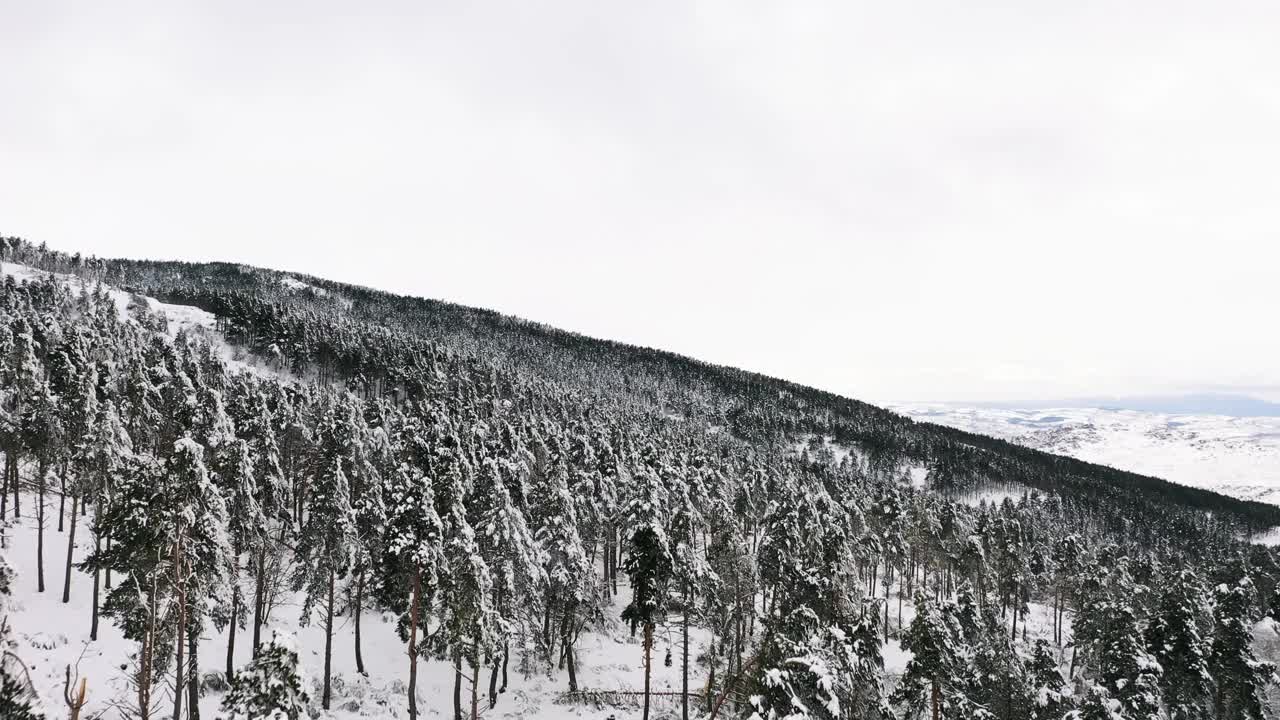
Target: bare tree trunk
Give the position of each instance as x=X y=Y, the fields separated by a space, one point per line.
x=193 y=676
x=4 y=487
x=475 y=686
x=13 y=479
x=180 y=668
x=648 y=665
x=231 y=626
x=506 y=657
x=457 y=685
x=711 y=676
x=40 y=534
x=71 y=547
x=97 y=544
x=413 y=644
x=328 y=644
x=358 y=606
x=566 y=643
x=493 y=682
x=684 y=660
x=888 y=581
x=145 y=660
x=936 y=699
x=1013 y=634
x=259 y=598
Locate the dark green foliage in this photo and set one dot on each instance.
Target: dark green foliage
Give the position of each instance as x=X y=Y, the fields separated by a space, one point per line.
x=268 y=688
x=1240 y=677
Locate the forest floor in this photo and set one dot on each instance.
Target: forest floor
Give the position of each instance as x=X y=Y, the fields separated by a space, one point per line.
x=51 y=635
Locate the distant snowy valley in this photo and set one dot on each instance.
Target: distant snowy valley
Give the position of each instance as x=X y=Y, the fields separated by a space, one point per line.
x=1236 y=456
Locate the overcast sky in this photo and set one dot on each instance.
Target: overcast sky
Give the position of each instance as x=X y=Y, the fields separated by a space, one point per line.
x=892 y=200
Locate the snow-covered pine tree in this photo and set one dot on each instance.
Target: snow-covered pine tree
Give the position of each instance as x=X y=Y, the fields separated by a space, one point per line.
x=325 y=545
x=937 y=679
x=1239 y=677
x=45 y=439
x=202 y=559
x=691 y=574
x=648 y=564
x=253 y=417
x=370 y=454
x=103 y=457
x=270 y=687
x=1174 y=638
x=246 y=527
x=167 y=526
x=514 y=562
x=413 y=559
x=1108 y=631
x=1051 y=696
x=465 y=587
x=553 y=519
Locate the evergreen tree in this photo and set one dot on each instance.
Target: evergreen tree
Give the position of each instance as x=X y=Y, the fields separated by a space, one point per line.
x=648 y=565
x=1107 y=629
x=1174 y=639
x=325 y=549
x=936 y=680
x=1239 y=676
x=270 y=687
x=835 y=672
x=1052 y=698
x=413 y=560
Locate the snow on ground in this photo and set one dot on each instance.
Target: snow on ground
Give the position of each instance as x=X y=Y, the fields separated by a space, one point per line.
x=826 y=444
x=179 y=317
x=23 y=273
x=52 y=635
x=294 y=283
x=1237 y=456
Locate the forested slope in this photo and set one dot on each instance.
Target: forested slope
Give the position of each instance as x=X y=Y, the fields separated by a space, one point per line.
x=496 y=484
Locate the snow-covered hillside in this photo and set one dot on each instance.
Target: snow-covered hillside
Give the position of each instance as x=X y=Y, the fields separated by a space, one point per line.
x=177 y=317
x=1237 y=456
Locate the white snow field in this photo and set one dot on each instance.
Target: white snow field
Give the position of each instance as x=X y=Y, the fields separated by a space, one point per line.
x=1236 y=456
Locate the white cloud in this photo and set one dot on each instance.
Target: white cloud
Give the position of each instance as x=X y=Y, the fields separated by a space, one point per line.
x=891 y=200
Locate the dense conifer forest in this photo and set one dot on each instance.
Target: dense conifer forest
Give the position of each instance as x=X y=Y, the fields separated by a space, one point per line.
x=501 y=487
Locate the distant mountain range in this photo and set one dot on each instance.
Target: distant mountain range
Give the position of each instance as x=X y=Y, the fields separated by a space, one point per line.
x=1205 y=403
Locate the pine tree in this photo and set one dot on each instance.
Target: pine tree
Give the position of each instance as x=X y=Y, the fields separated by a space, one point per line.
x=937 y=679
x=514 y=562
x=246 y=526
x=168 y=530
x=1052 y=698
x=270 y=687
x=832 y=672
x=648 y=565
x=1239 y=676
x=104 y=456
x=413 y=560
x=325 y=549
x=1107 y=629
x=1174 y=639
x=202 y=558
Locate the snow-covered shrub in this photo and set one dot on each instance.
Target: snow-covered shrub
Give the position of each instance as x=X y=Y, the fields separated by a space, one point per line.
x=270 y=687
